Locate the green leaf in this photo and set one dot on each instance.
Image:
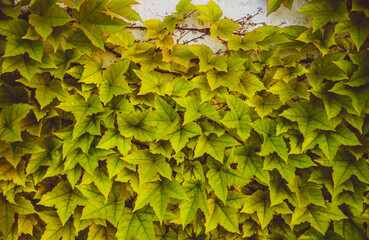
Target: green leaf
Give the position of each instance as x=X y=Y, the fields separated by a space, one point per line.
x=80 y=107
x=329 y=141
x=46 y=89
x=7 y=219
x=307 y=192
x=92 y=73
x=112 y=138
x=100 y=232
x=214 y=145
x=248 y=42
x=122 y=8
x=222 y=215
x=138 y=224
x=279 y=190
x=9 y=121
x=65 y=199
x=210 y=12
x=207 y=61
x=289 y=73
x=286 y=170
x=223 y=28
x=102 y=181
x=45 y=15
x=217 y=79
x=196 y=193
x=165 y=117
x=185 y=6
x=158 y=194
x=249 y=84
x=54 y=228
x=14 y=30
x=62 y=60
x=264 y=105
x=181 y=133
x=272 y=142
x=138 y=126
x=221 y=176
x=317 y=216
x=357 y=26
x=114 y=83
x=151 y=82
x=90 y=124
x=238 y=117
x=273 y=5
x=76 y=39
x=322 y=40
x=345 y=165
x=149 y=165
x=308 y=117
x=289 y=90
x=26 y=66
x=195 y=109
x=94 y=23
x=324 y=11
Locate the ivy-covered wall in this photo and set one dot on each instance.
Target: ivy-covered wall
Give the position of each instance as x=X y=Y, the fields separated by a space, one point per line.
x=107 y=136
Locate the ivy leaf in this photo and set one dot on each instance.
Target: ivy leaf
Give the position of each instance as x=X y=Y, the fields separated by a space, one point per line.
x=279 y=190
x=62 y=60
x=289 y=73
x=80 y=107
x=149 y=165
x=45 y=15
x=65 y=199
x=221 y=176
x=223 y=28
x=329 y=141
x=308 y=117
x=94 y=23
x=7 y=219
x=217 y=79
x=345 y=165
x=112 y=138
x=210 y=12
x=248 y=42
x=317 y=216
x=122 y=8
x=114 y=83
x=181 y=133
x=26 y=66
x=238 y=117
x=264 y=105
x=158 y=194
x=76 y=39
x=137 y=125
x=14 y=30
x=323 y=12
x=196 y=193
x=92 y=73
x=272 y=142
x=46 y=89
x=138 y=224
x=195 y=109
x=322 y=40
x=54 y=228
x=102 y=181
x=214 y=145
x=207 y=61
x=222 y=215
x=289 y=90
x=9 y=121
x=164 y=116
x=273 y=5
x=249 y=84
x=273 y=161
x=100 y=232
x=151 y=82
x=357 y=26
x=307 y=192
x=90 y=124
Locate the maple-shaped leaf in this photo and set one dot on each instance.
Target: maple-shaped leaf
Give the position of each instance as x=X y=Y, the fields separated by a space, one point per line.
x=98 y=207
x=101 y=232
x=329 y=141
x=279 y=190
x=207 y=60
x=273 y=161
x=157 y=194
x=181 y=133
x=102 y=180
x=80 y=107
x=155 y=29
x=273 y=5
x=210 y=12
x=323 y=12
x=92 y=70
x=7 y=219
x=289 y=73
x=138 y=126
x=264 y=105
x=179 y=87
x=114 y=83
x=308 y=117
x=136 y=224
x=54 y=228
x=195 y=109
x=322 y=40
x=222 y=215
x=9 y=121
x=289 y=90
x=149 y=165
x=112 y=138
x=76 y=39
x=45 y=15
x=46 y=89
x=14 y=174
x=247 y=42
x=249 y=163
x=122 y=8
x=165 y=117
x=196 y=193
x=238 y=117
x=223 y=28
x=345 y=165
x=26 y=66
x=221 y=176
x=217 y=79
x=307 y=192
x=214 y=145
x=317 y=216
x=324 y=68
x=352 y=227
x=353 y=198
x=249 y=84
x=272 y=142
x=151 y=82
x=94 y=23
x=90 y=124
x=14 y=30
x=63 y=60
x=357 y=26
x=65 y=199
